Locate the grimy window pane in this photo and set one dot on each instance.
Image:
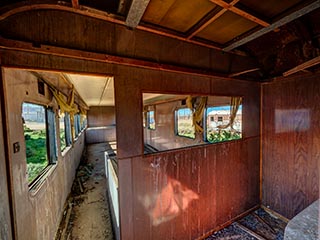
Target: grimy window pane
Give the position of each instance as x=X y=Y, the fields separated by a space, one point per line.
x=62 y=133
x=184 y=123
x=35 y=134
x=218 y=127
x=151 y=120
x=68 y=129
x=52 y=135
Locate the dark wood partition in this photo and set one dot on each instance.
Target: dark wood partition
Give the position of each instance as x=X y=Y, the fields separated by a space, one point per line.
x=184 y=193
x=291 y=144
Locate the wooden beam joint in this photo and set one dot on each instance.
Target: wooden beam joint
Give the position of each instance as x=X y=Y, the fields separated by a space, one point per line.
x=232 y=8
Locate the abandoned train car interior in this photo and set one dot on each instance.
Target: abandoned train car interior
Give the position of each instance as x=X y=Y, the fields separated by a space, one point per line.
x=204 y=113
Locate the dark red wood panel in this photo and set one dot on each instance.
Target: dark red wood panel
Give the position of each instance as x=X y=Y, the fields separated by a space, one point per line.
x=291 y=144
x=185 y=193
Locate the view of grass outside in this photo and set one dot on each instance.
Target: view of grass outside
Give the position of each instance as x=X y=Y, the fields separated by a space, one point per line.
x=184 y=123
x=35 y=134
x=151 y=120
x=217 y=116
x=63 y=143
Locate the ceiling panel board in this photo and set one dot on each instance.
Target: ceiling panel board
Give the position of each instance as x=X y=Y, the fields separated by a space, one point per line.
x=179 y=15
x=156 y=10
x=269 y=9
x=95 y=91
x=108 y=95
x=226 y=28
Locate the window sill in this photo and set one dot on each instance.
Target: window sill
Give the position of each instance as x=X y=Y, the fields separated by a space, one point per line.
x=66 y=150
x=38 y=184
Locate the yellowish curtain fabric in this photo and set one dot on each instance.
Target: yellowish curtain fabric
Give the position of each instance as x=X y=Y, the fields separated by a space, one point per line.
x=83 y=115
x=197 y=107
x=234 y=107
x=66 y=106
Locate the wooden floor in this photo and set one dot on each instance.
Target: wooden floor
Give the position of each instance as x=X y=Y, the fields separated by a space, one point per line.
x=87 y=213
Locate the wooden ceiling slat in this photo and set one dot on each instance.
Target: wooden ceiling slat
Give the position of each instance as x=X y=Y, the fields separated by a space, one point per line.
x=136 y=12
x=178 y=15
x=240 y=12
x=303 y=66
x=212 y=19
x=226 y=28
x=274 y=25
x=243 y=72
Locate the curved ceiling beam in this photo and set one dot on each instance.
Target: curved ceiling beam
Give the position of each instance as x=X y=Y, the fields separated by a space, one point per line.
x=94 y=13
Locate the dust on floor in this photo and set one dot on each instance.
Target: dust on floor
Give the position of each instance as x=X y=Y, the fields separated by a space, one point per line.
x=259 y=225
x=87 y=214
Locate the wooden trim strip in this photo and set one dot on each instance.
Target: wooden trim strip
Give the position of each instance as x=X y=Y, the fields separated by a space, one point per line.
x=243 y=72
x=302 y=66
x=104 y=58
x=277 y=215
x=240 y=12
x=252 y=233
x=205 y=24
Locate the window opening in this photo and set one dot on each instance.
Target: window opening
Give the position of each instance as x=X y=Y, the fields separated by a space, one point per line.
x=39 y=134
x=218 y=126
x=151 y=120
x=184 y=123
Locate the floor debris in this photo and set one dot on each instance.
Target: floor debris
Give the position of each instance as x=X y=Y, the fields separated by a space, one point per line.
x=87 y=213
x=258 y=225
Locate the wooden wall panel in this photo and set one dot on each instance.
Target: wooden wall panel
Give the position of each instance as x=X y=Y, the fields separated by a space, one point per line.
x=129 y=84
x=101 y=116
x=291 y=144
x=213 y=183
x=185 y=193
x=101 y=124
x=5 y=218
x=99 y=135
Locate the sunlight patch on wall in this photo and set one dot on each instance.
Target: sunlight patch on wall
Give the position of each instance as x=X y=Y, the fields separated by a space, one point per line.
x=292 y=120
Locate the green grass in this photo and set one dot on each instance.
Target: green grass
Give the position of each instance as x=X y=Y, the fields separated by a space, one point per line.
x=36 y=151
x=63 y=144
x=186 y=129
x=222 y=136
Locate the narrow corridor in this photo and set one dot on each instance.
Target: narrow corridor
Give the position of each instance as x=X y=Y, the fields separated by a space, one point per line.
x=87 y=214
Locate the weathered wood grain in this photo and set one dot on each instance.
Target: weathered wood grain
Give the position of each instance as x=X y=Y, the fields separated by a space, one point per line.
x=291 y=144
